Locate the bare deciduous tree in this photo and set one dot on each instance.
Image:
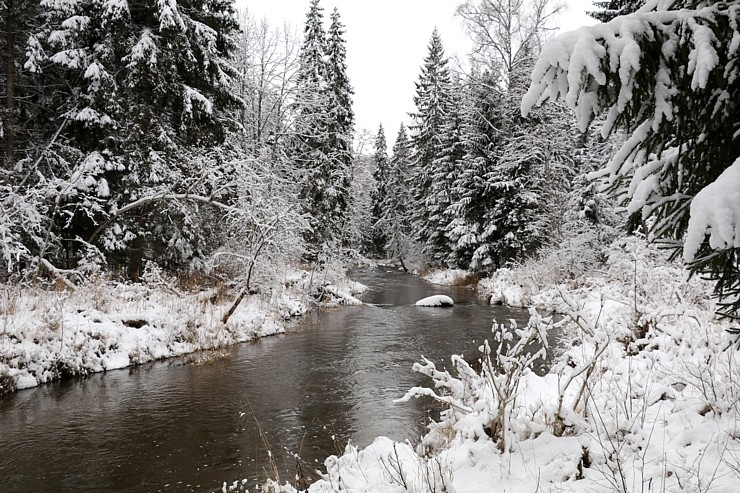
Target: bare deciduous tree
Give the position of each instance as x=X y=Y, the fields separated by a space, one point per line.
x=266 y=59
x=508 y=34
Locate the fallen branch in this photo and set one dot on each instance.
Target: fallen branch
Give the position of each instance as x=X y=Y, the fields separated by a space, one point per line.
x=60 y=273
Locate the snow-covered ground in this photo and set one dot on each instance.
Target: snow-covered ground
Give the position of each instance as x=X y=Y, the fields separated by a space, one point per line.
x=645 y=398
x=45 y=335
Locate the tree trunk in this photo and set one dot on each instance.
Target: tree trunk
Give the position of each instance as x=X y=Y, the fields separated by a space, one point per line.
x=9 y=123
x=400 y=257
x=136 y=259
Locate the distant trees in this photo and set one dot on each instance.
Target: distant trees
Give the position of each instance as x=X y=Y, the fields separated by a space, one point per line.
x=381 y=167
x=490 y=186
x=395 y=206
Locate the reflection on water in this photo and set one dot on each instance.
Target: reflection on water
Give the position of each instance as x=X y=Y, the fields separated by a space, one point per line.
x=172 y=426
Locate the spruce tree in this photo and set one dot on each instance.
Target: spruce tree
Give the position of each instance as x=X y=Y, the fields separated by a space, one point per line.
x=18 y=89
x=341 y=117
x=680 y=162
x=609 y=9
x=381 y=169
x=444 y=171
x=311 y=149
x=482 y=132
x=432 y=102
x=340 y=120
x=134 y=88
x=323 y=131
x=395 y=205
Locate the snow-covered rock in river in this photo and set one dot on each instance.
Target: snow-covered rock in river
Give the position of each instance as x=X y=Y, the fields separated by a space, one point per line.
x=436 y=300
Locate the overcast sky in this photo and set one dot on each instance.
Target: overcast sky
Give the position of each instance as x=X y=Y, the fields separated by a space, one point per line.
x=386 y=45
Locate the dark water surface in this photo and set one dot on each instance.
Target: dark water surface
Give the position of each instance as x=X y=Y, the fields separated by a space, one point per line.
x=174 y=426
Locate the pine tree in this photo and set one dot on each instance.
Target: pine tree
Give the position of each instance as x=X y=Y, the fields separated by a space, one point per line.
x=680 y=163
x=432 y=102
x=381 y=165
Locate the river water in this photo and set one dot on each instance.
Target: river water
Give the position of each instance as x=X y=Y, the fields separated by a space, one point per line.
x=179 y=426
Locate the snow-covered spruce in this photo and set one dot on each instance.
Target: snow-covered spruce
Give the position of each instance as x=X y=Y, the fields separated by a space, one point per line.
x=668 y=75
x=645 y=396
x=46 y=335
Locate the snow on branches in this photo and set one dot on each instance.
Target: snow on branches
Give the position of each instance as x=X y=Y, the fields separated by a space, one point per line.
x=577 y=66
x=716 y=210
x=668 y=74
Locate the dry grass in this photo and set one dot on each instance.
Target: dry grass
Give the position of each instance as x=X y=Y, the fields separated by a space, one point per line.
x=471 y=279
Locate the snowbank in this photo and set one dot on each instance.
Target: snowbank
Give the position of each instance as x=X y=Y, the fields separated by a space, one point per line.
x=450 y=277
x=436 y=300
x=344 y=294
x=502 y=289
x=45 y=335
x=645 y=397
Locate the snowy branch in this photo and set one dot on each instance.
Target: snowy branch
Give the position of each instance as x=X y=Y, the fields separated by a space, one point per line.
x=162 y=198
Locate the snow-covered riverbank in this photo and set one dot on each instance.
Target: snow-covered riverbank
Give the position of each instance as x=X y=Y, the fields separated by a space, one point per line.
x=105 y=325
x=645 y=397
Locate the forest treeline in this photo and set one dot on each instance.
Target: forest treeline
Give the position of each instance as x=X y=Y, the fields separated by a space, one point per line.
x=186 y=134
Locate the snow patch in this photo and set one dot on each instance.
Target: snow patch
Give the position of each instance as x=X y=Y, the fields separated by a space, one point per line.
x=344 y=293
x=108 y=325
x=115 y=361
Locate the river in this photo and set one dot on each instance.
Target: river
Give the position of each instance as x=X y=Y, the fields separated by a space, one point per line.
x=180 y=426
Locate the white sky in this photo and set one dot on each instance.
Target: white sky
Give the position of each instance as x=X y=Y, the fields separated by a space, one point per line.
x=386 y=45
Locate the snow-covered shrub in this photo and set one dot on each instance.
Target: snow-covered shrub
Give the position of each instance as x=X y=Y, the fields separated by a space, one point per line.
x=91 y=261
x=265 y=232
x=483 y=402
x=22 y=217
x=504 y=288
